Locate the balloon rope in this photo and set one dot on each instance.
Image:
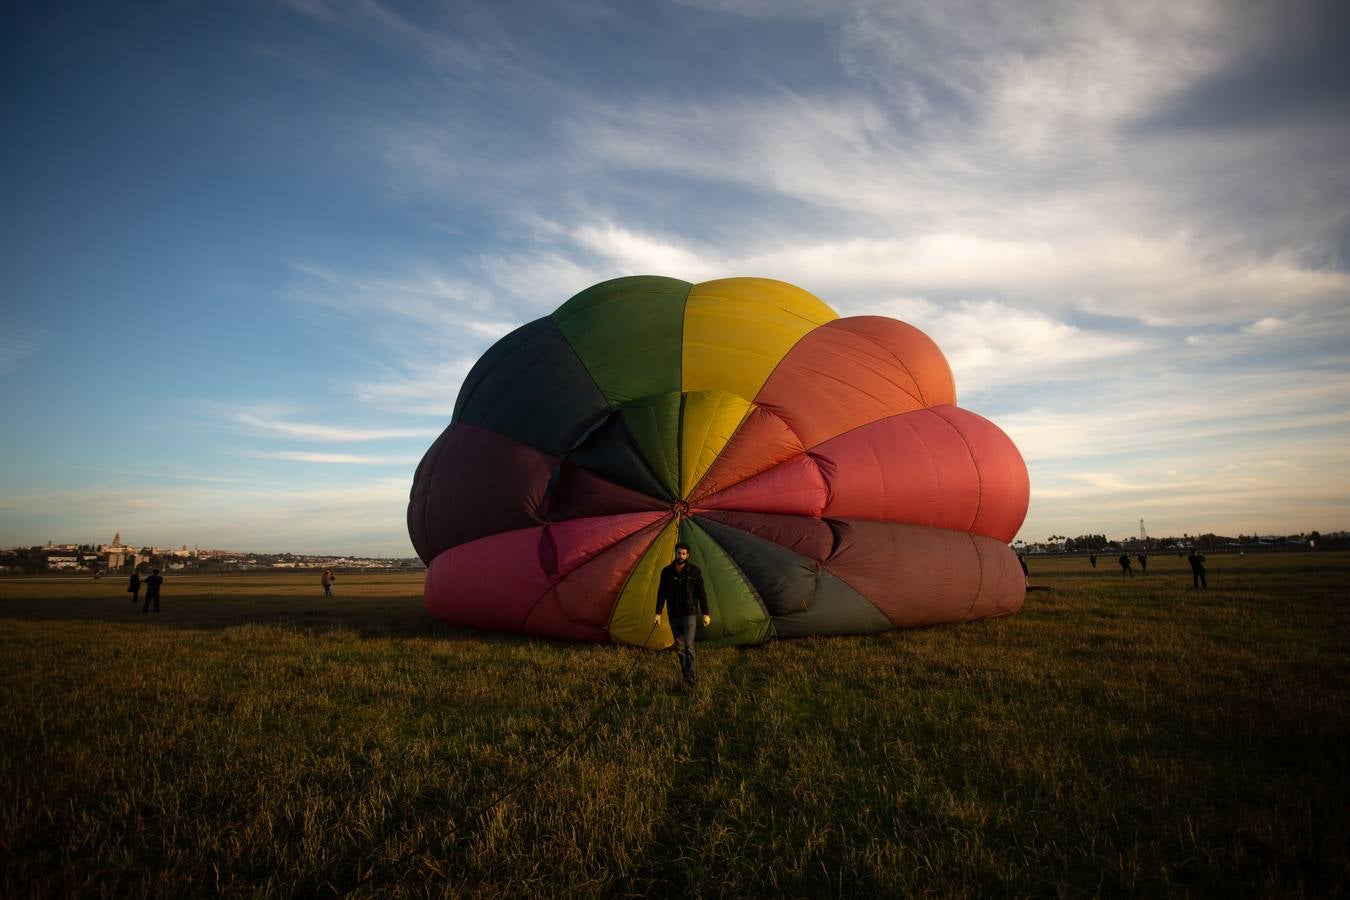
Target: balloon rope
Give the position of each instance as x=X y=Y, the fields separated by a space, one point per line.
x=530 y=776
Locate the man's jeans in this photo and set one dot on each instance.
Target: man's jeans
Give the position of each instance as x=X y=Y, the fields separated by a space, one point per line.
x=683 y=627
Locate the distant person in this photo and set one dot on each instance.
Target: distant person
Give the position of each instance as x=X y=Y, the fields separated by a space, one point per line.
x=681 y=587
x=1143 y=563
x=1092 y=558
x=328 y=579
x=152 y=583
x=1026 y=575
x=134 y=587
x=1125 y=565
x=1197 y=561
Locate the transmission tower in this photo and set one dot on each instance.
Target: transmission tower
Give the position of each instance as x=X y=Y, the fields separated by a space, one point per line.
x=1143 y=535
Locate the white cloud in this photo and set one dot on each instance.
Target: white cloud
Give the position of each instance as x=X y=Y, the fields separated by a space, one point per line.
x=1158 y=416
x=415 y=388
x=332 y=433
x=988 y=173
x=1266 y=325
x=424 y=302
x=16 y=345
x=537 y=281
x=340 y=458
x=1317 y=341
x=994 y=346
x=1068 y=260
x=356 y=516
x=638 y=252
x=1012 y=165
x=1228 y=491
x=437 y=41
x=419 y=332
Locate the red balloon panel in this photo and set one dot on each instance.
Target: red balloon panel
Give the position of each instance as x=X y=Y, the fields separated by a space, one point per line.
x=762 y=441
x=1005 y=489
x=548 y=619
x=794 y=488
x=476 y=483
x=587 y=594
x=922 y=576
x=577 y=540
x=493 y=582
x=911 y=468
x=1003 y=586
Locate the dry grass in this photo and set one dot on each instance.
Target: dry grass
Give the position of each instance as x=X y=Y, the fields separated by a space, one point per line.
x=1118 y=737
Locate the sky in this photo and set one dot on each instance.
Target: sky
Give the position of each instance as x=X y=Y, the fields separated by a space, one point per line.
x=248 y=251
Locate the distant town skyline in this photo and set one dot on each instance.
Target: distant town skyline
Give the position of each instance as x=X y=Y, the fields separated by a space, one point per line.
x=157 y=547
x=109 y=558
x=250 y=252
x=1047 y=540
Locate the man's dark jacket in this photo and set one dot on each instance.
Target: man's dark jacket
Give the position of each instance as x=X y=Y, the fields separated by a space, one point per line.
x=682 y=591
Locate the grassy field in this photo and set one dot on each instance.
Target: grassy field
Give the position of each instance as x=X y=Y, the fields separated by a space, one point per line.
x=1119 y=737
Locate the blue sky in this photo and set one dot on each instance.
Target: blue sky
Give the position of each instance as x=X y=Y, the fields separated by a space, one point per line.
x=248 y=251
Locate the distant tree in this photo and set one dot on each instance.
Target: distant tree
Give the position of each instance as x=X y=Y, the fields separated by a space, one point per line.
x=1086 y=542
x=32 y=559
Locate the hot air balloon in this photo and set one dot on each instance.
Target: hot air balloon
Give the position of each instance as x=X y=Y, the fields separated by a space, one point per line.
x=817 y=466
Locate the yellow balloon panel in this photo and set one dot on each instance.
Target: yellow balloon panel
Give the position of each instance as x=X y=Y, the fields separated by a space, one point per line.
x=631 y=622
x=710 y=418
x=737 y=329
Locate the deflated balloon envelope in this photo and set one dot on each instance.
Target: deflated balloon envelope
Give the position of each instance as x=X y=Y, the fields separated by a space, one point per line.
x=817 y=466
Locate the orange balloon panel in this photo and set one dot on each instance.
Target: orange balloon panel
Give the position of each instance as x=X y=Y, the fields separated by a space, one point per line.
x=852 y=371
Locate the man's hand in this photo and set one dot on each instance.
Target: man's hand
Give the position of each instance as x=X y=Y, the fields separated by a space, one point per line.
x=707 y=620
x=657 y=620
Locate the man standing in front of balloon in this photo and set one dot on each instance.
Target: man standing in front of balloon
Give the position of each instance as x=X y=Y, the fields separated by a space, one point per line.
x=681 y=588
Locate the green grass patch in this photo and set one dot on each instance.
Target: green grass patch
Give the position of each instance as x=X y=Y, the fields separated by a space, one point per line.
x=1120 y=736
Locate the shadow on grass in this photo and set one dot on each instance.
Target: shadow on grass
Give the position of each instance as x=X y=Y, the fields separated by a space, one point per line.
x=366 y=617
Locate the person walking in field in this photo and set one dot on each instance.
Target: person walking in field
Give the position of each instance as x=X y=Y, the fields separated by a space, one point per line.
x=328 y=579
x=134 y=587
x=1026 y=575
x=1092 y=558
x=1143 y=563
x=1125 y=565
x=1197 y=561
x=681 y=590
x=152 y=583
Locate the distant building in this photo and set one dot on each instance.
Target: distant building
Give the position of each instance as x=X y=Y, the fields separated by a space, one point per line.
x=117 y=554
